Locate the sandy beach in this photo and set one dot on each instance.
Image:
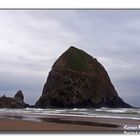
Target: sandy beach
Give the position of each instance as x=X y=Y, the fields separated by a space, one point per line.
x=22 y=125
x=65 y=123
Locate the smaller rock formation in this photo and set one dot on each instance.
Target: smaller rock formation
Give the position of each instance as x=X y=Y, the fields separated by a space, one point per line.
x=19 y=96
x=16 y=102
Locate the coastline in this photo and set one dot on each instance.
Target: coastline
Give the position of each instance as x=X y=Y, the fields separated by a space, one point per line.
x=23 y=125
x=64 y=123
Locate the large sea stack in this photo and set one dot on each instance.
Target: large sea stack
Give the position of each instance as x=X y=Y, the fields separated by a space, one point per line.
x=78 y=80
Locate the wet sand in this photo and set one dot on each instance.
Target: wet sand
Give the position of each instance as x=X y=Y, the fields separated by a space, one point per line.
x=67 y=123
x=22 y=125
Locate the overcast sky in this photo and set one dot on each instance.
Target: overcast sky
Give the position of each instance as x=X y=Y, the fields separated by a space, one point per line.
x=31 y=41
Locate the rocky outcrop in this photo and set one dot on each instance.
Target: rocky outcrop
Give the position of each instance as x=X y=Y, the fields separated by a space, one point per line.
x=19 y=96
x=16 y=102
x=78 y=80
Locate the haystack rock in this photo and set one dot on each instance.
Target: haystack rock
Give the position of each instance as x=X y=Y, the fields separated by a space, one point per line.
x=13 y=102
x=78 y=80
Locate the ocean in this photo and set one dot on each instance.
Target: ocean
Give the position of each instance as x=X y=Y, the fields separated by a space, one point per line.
x=35 y=114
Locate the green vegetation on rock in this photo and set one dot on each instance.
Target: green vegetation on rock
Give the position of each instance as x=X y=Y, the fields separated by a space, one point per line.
x=77 y=60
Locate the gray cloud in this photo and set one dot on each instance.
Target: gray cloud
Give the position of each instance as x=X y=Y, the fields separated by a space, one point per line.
x=31 y=41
